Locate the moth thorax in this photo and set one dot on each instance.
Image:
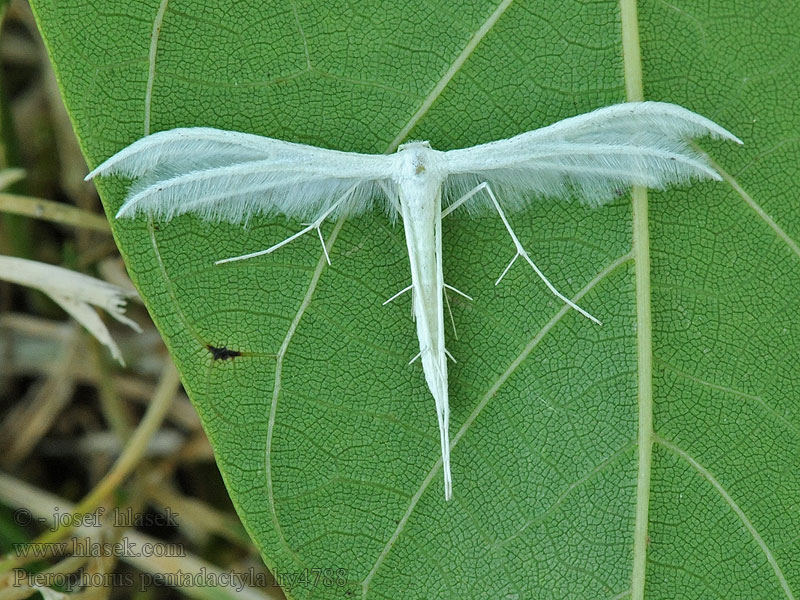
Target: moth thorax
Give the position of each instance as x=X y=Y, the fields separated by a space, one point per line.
x=415 y=159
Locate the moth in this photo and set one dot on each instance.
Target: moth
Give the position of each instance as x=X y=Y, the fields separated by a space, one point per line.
x=232 y=176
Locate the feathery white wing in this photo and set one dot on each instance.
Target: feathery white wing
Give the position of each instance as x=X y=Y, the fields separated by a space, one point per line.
x=230 y=176
x=590 y=156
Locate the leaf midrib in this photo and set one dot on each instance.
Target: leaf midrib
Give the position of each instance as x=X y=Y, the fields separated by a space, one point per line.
x=632 y=63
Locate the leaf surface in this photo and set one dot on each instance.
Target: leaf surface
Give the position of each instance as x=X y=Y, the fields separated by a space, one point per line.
x=327 y=439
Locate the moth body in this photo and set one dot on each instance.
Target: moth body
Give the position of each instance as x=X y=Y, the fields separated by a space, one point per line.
x=420 y=200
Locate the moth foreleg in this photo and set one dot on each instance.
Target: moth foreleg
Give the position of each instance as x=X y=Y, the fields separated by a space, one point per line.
x=316 y=224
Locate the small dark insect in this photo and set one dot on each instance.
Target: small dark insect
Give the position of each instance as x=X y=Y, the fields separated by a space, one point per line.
x=222 y=353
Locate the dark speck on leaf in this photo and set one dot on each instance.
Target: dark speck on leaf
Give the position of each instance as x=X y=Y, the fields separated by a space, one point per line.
x=222 y=353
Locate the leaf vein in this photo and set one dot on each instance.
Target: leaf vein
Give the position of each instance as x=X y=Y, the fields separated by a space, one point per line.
x=450 y=73
x=750 y=201
x=481 y=405
x=707 y=475
x=151 y=60
x=312 y=286
x=730 y=390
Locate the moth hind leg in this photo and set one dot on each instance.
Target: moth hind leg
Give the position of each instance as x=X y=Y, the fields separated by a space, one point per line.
x=520 y=250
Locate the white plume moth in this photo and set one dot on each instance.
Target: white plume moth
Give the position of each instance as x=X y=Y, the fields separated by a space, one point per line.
x=232 y=176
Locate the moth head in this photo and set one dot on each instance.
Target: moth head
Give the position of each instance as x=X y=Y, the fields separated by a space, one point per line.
x=413 y=144
x=414 y=153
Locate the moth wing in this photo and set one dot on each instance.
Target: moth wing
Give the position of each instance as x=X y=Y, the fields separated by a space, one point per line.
x=592 y=157
x=230 y=176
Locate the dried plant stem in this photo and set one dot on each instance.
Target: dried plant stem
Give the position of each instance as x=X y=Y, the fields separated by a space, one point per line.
x=19 y=494
x=133 y=452
x=30 y=420
x=57 y=212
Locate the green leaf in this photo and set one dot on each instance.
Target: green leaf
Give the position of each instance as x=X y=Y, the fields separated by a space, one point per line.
x=327 y=439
